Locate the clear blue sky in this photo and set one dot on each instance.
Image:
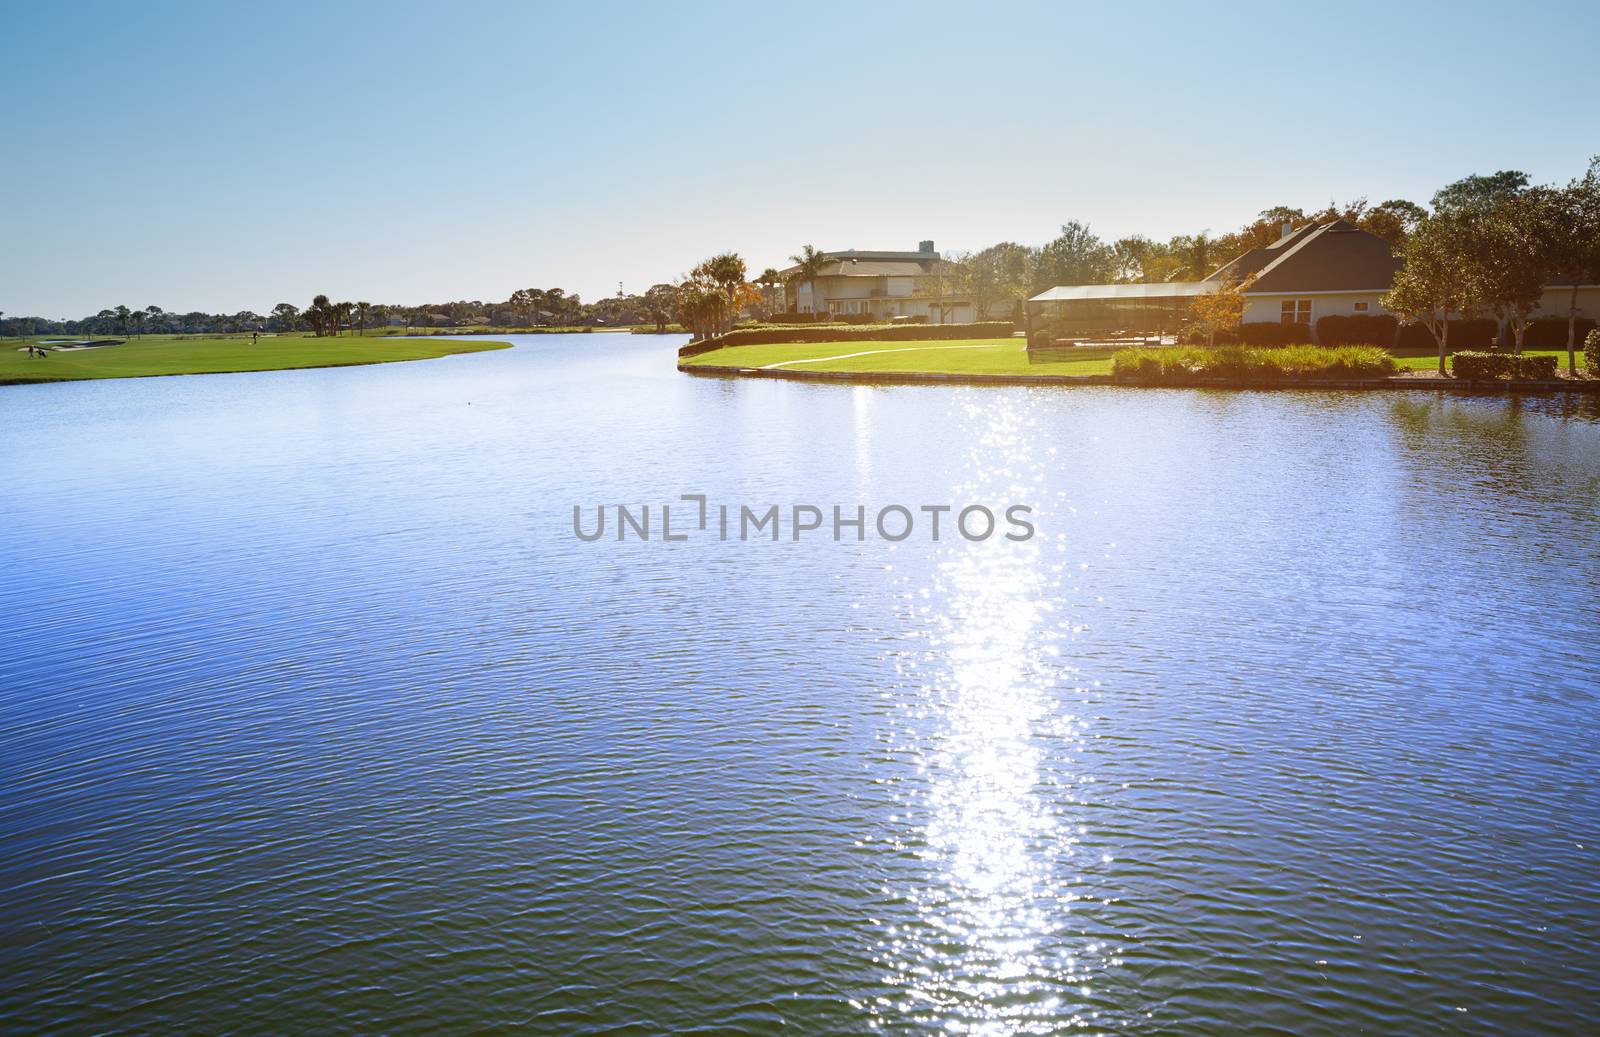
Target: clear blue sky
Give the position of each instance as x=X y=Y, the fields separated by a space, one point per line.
x=225 y=157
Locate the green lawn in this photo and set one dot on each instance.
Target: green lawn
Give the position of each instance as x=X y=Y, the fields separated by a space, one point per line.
x=958 y=356
x=173 y=354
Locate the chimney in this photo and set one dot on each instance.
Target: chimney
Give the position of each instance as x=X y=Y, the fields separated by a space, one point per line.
x=1285 y=230
x=926 y=248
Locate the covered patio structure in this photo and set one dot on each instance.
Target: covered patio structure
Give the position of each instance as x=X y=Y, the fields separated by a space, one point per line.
x=1089 y=313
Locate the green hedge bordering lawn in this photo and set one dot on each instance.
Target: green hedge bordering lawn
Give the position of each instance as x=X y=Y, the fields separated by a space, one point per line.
x=1188 y=365
x=825 y=333
x=1502 y=365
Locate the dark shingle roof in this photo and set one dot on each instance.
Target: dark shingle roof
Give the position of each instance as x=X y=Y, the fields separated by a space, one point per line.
x=1332 y=258
x=1251 y=262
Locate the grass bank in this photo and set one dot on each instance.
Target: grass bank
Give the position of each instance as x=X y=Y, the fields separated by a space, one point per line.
x=154 y=355
x=958 y=356
x=1008 y=356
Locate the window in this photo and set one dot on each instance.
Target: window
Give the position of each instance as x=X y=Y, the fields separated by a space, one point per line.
x=1361 y=307
x=1296 y=311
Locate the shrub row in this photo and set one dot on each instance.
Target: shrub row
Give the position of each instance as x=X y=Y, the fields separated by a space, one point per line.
x=873 y=333
x=1551 y=333
x=1473 y=365
x=1591 y=352
x=791 y=318
x=1250 y=333
x=1357 y=329
x=1273 y=333
x=1477 y=333
x=1180 y=365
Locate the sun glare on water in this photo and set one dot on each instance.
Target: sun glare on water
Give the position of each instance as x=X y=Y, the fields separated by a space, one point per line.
x=992 y=729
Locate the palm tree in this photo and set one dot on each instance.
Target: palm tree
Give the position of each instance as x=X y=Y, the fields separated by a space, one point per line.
x=362 y=309
x=122 y=314
x=769 y=282
x=317 y=315
x=808 y=266
x=137 y=319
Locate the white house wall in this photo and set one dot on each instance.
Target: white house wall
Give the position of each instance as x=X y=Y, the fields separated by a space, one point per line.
x=1556 y=301
x=1270 y=307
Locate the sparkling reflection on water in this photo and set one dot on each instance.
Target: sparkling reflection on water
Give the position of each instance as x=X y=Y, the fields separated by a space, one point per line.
x=993 y=730
x=315 y=717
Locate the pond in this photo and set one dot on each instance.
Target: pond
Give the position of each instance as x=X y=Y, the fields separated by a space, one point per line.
x=318 y=715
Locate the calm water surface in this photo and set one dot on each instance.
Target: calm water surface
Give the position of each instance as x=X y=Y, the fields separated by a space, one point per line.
x=315 y=716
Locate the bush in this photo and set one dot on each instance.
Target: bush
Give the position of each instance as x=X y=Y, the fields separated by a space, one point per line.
x=1356 y=329
x=1180 y=365
x=795 y=317
x=1195 y=334
x=1591 y=352
x=1480 y=366
x=1479 y=333
x=872 y=333
x=1272 y=333
x=1551 y=333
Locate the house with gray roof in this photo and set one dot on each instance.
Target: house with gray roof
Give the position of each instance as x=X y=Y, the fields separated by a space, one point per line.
x=1310 y=272
x=878 y=286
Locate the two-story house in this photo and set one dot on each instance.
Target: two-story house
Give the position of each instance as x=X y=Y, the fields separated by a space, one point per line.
x=878 y=286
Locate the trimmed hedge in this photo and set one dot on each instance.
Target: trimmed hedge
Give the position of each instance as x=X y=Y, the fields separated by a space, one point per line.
x=1487 y=366
x=1182 y=365
x=1273 y=333
x=871 y=333
x=1477 y=333
x=1591 y=352
x=1357 y=329
x=825 y=318
x=1551 y=333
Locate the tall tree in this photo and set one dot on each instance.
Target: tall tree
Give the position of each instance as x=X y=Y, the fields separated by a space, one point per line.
x=363 y=310
x=320 y=315
x=659 y=303
x=1393 y=220
x=1480 y=192
x=122 y=315
x=999 y=274
x=1436 y=280
x=809 y=264
x=770 y=282
x=1570 y=229
x=939 y=285
x=1075 y=256
x=1198 y=254
x=1511 y=261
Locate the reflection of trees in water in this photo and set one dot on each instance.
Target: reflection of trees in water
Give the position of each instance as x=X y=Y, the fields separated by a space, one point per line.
x=1538 y=451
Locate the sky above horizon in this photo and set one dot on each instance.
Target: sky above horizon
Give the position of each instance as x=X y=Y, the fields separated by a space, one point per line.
x=222 y=158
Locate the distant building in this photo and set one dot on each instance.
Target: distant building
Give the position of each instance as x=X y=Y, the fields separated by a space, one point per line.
x=879 y=286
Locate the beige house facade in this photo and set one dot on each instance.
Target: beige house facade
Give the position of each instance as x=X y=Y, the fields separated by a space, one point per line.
x=879 y=286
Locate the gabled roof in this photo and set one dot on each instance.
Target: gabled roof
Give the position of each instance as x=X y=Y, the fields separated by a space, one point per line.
x=872 y=268
x=852 y=262
x=1251 y=262
x=1336 y=257
x=1160 y=290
